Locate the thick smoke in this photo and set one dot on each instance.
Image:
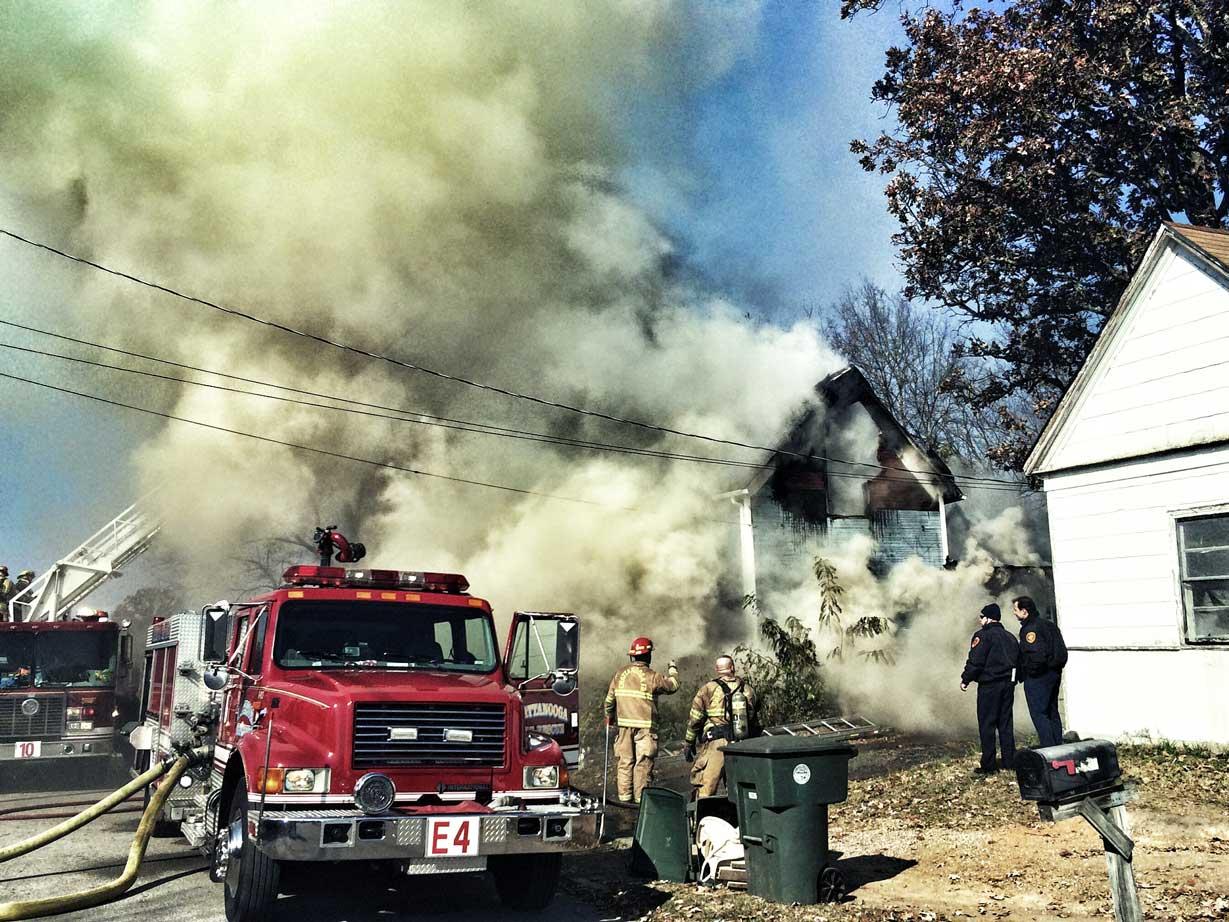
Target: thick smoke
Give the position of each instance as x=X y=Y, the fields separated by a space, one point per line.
x=909 y=676
x=436 y=181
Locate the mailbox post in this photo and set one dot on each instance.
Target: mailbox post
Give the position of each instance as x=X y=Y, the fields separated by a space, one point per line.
x=1083 y=779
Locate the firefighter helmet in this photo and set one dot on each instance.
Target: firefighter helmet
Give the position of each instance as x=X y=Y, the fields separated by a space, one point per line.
x=640 y=646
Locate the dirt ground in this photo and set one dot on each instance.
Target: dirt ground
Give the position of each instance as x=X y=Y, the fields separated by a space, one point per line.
x=922 y=838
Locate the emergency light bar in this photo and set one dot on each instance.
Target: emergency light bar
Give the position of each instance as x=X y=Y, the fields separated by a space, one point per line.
x=340 y=577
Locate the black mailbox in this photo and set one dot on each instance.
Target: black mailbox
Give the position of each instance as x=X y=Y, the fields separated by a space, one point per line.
x=1068 y=772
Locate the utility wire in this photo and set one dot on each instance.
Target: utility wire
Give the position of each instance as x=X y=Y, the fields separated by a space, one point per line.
x=486 y=428
x=532 y=437
x=651 y=453
x=332 y=454
x=402 y=363
x=460 y=424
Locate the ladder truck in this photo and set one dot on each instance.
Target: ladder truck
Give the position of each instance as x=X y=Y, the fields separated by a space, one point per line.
x=368 y=715
x=60 y=662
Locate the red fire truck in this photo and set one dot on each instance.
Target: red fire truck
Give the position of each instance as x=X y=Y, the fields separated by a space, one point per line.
x=368 y=715
x=57 y=688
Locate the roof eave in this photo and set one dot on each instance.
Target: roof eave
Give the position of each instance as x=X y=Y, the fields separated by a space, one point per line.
x=1166 y=234
x=1035 y=462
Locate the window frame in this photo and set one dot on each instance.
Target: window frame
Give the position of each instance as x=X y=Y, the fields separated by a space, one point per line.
x=255 y=654
x=1185 y=614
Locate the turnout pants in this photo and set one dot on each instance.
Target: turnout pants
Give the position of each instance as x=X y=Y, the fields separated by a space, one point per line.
x=708 y=767
x=636 y=749
x=1041 y=693
x=994 y=701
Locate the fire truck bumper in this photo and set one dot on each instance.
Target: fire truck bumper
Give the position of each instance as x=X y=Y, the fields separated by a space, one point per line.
x=87 y=748
x=441 y=839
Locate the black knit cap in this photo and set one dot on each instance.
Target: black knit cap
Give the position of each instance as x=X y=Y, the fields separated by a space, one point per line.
x=992 y=612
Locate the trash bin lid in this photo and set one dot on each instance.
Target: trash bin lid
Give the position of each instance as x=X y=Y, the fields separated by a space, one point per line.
x=767 y=747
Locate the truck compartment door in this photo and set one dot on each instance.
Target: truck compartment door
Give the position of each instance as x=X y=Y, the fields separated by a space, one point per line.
x=543 y=660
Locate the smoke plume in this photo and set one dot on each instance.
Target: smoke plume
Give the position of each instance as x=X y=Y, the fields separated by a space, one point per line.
x=440 y=182
x=907 y=677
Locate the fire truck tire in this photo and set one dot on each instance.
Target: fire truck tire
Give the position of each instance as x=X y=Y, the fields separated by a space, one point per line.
x=251 y=886
x=526 y=882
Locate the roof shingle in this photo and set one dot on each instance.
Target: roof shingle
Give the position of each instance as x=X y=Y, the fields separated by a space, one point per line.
x=1212 y=241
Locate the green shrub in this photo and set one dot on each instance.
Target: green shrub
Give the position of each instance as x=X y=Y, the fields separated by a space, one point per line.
x=788 y=679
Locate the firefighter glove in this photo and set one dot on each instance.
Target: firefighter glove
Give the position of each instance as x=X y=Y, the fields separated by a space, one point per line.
x=690 y=752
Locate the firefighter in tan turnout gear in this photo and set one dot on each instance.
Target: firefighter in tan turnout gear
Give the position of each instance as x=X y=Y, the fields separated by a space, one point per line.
x=720 y=712
x=631 y=705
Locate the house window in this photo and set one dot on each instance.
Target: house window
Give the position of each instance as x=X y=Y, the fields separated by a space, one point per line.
x=1203 y=551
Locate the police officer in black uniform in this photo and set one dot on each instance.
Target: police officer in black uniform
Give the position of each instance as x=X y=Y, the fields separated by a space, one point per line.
x=992 y=656
x=1043 y=654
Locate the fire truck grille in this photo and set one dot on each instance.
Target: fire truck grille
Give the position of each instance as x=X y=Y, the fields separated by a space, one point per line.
x=46 y=723
x=428 y=734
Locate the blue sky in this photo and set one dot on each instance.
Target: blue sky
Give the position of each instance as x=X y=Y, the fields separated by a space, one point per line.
x=776 y=212
x=782 y=214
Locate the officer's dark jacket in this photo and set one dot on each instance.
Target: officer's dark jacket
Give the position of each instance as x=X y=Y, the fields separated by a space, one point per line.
x=1042 y=649
x=992 y=655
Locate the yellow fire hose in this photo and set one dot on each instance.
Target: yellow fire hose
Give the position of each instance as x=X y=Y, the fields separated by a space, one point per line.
x=87 y=815
x=32 y=909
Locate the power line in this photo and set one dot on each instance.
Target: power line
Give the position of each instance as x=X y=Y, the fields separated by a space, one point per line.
x=486 y=428
x=883 y=476
x=412 y=366
x=331 y=454
x=476 y=428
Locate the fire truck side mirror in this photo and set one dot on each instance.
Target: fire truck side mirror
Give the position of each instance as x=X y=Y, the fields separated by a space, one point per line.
x=125 y=650
x=217 y=623
x=567 y=646
x=564 y=685
x=216 y=677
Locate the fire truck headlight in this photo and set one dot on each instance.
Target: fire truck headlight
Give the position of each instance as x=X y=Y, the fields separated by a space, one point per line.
x=374 y=793
x=73 y=713
x=542 y=776
x=306 y=781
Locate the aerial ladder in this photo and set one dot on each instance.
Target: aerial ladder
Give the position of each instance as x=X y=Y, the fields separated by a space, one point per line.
x=53 y=593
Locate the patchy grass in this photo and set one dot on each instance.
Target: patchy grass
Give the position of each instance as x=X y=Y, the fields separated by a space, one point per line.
x=940 y=793
x=1175 y=777
x=977 y=847
x=599 y=877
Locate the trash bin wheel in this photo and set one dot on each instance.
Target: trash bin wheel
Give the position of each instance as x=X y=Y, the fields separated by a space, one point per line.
x=832 y=887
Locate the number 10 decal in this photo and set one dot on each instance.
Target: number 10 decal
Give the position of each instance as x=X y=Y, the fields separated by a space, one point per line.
x=452 y=837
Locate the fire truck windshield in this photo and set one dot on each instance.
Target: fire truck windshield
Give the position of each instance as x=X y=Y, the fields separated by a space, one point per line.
x=16 y=660
x=80 y=659
x=384 y=635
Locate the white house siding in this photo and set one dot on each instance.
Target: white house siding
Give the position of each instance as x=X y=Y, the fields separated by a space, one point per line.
x=1165 y=382
x=1116 y=586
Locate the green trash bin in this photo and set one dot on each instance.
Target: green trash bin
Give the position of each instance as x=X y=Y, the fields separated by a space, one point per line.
x=782 y=786
x=661 y=847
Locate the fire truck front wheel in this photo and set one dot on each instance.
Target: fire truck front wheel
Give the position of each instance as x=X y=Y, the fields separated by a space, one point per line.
x=526 y=882
x=250 y=877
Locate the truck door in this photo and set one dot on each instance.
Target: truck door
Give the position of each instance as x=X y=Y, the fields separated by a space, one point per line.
x=243 y=701
x=543 y=659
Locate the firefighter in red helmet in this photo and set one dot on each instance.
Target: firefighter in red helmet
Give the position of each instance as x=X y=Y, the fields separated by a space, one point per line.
x=631 y=705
